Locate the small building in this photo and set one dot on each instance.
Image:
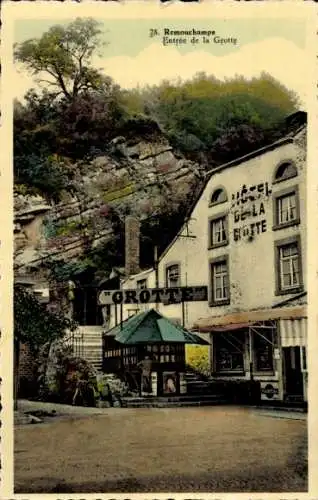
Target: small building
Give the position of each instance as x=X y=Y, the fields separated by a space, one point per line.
x=245 y=239
x=150 y=339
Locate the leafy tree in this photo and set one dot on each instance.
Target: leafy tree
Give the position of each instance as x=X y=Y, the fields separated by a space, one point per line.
x=64 y=54
x=89 y=122
x=51 y=135
x=34 y=324
x=212 y=121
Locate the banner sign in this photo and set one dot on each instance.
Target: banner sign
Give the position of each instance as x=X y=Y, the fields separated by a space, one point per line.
x=154 y=295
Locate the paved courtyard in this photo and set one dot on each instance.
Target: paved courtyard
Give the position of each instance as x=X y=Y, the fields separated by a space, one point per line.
x=207 y=449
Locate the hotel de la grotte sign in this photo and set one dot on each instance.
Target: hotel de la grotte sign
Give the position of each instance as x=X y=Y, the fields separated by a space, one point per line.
x=154 y=295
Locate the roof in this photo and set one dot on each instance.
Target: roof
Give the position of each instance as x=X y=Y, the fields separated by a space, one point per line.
x=243 y=319
x=139 y=275
x=152 y=327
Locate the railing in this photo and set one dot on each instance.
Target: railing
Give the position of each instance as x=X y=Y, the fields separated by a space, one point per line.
x=75 y=340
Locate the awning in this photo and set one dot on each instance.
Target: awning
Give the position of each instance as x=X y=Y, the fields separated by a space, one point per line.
x=229 y=328
x=293 y=332
x=247 y=318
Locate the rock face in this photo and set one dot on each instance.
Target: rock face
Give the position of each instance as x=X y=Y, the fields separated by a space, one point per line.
x=134 y=178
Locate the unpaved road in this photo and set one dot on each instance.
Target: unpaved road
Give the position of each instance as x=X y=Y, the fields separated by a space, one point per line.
x=208 y=449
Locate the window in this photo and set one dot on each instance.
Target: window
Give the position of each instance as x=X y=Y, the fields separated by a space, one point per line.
x=285 y=170
x=173 y=276
x=218 y=231
x=220 y=281
x=218 y=196
x=228 y=349
x=289 y=266
x=130 y=356
x=286 y=208
x=141 y=284
x=263 y=351
x=288 y=272
x=173 y=353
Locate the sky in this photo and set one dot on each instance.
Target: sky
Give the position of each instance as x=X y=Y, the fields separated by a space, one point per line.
x=131 y=57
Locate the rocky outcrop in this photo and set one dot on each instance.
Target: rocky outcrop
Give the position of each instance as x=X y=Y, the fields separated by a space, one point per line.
x=134 y=178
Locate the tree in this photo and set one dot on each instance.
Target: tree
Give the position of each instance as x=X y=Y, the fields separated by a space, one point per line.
x=212 y=120
x=64 y=55
x=34 y=325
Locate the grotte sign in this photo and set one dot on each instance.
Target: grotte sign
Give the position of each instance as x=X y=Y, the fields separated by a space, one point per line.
x=154 y=295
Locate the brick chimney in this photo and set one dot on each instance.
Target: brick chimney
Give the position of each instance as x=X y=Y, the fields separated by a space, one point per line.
x=132 y=245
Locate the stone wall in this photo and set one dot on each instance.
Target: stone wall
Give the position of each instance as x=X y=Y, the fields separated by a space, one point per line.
x=26 y=371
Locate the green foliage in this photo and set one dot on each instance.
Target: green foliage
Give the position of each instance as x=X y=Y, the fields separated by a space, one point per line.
x=33 y=323
x=119 y=193
x=25 y=190
x=64 y=55
x=198 y=114
x=62 y=271
x=86 y=125
x=69 y=228
x=198 y=358
x=109 y=254
x=48 y=175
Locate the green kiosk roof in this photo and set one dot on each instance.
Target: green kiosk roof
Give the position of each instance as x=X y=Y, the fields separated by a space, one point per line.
x=151 y=327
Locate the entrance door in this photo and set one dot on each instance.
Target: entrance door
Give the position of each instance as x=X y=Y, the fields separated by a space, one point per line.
x=293 y=374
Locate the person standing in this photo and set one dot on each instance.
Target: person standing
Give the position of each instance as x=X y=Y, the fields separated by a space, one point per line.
x=146 y=368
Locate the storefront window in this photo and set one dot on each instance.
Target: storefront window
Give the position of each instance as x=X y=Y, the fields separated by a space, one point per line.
x=263 y=350
x=229 y=352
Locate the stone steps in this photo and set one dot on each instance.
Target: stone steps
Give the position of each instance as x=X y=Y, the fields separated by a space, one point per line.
x=173 y=402
x=88 y=345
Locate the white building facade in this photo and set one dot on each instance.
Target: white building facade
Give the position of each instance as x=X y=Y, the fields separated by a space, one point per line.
x=245 y=239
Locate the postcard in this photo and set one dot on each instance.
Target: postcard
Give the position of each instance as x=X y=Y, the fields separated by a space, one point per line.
x=158 y=250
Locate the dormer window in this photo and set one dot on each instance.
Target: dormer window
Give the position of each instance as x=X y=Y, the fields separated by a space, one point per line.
x=218 y=196
x=284 y=171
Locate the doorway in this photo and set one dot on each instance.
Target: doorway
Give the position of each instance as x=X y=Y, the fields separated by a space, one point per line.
x=293 y=375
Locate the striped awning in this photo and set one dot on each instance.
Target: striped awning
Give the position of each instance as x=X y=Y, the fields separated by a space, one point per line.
x=293 y=332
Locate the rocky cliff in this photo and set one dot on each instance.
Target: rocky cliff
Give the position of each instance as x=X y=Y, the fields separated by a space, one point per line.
x=143 y=177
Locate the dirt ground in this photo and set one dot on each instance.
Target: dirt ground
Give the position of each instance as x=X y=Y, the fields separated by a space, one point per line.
x=207 y=449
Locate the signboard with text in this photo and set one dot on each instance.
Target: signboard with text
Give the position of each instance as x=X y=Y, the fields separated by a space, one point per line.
x=249 y=214
x=154 y=295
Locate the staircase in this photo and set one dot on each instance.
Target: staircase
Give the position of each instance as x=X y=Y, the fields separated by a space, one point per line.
x=198 y=384
x=87 y=344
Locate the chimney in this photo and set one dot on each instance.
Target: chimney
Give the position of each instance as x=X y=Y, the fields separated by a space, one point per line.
x=132 y=245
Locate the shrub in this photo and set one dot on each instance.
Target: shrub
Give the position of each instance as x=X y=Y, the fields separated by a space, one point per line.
x=197 y=357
